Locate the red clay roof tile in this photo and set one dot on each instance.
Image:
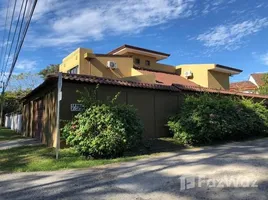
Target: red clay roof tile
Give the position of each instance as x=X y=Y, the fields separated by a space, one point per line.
x=108 y=81
x=242 y=86
x=226 y=92
x=168 y=79
x=258 y=78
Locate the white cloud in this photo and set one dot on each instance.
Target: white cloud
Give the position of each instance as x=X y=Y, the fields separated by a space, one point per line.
x=215 y=5
x=93 y=21
x=264 y=58
x=230 y=36
x=26 y=65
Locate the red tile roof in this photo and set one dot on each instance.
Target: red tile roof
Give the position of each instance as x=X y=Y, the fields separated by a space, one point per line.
x=51 y=79
x=101 y=80
x=168 y=78
x=226 y=92
x=258 y=78
x=242 y=86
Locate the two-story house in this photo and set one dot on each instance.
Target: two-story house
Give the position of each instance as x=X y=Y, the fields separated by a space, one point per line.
x=142 y=65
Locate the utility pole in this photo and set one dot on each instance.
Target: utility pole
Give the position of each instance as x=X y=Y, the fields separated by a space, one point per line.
x=58 y=114
x=2 y=102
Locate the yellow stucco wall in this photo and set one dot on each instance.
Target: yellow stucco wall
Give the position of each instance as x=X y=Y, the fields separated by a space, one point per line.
x=76 y=58
x=97 y=67
x=200 y=73
x=218 y=80
x=153 y=63
x=204 y=76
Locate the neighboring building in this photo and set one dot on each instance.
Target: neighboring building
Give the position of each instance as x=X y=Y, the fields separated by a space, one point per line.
x=142 y=65
x=251 y=86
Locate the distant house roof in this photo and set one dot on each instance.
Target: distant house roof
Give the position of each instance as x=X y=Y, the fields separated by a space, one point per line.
x=242 y=86
x=133 y=49
x=258 y=78
x=168 y=78
x=225 y=92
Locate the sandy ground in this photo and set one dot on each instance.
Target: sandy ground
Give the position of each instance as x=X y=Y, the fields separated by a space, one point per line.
x=231 y=171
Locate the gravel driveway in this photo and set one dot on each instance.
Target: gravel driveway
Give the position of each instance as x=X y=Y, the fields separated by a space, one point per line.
x=158 y=177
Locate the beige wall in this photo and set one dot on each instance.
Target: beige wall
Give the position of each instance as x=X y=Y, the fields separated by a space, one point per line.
x=204 y=75
x=218 y=80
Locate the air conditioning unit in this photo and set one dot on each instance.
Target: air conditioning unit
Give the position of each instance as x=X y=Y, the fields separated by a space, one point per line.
x=111 y=64
x=188 y=74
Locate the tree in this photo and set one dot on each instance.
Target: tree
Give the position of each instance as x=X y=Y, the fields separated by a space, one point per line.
x=264 y=88
x=50 y=69
x=19 y=86
x=23 y=82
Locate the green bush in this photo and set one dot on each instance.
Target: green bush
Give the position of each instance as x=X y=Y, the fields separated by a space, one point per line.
x=104 y=130
x=210 y=118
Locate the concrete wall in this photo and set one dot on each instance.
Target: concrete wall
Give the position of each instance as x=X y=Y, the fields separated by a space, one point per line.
x=154 y=107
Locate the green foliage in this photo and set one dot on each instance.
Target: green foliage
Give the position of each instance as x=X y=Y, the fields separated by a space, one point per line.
x=26 y=81
x=12 y=101
x=211 y=118
x=263 y=89
x=103 y=130
x=50 y=69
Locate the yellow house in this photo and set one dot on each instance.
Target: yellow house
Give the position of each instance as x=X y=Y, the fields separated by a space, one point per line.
x=142 y=65
x=208 y=75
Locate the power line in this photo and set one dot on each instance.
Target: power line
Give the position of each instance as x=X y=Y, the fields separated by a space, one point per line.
x=9 y=32
x=21 y=43
x=18 y=39
x=5 y=66
x=4 y=34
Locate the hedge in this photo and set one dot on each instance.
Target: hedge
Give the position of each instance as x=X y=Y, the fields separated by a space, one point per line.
x=210 y=118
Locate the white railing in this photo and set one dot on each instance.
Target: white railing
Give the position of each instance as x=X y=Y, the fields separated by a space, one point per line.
x=14 y=122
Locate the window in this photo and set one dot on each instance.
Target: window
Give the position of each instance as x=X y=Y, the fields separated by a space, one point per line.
x=147 y=63
x=137 y=61
x=73 y=70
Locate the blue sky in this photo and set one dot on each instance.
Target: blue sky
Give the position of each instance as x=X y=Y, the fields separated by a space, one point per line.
x=228 y=32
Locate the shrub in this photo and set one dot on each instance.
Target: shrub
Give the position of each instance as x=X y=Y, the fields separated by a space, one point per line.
x=104 y=130
x=209 y=118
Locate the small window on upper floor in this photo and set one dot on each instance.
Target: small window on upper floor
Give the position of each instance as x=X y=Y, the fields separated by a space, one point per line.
x=73 y=70
x=137 y=61
x=147 y=63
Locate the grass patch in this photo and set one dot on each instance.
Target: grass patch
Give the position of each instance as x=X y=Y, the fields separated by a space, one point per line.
x=41 y=158
x=7 y=134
